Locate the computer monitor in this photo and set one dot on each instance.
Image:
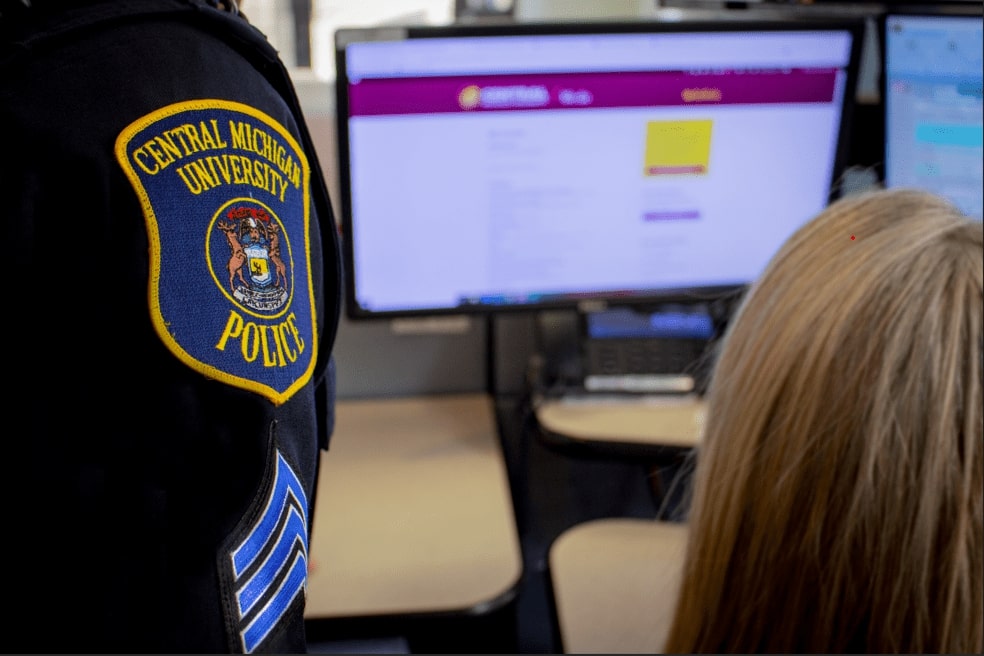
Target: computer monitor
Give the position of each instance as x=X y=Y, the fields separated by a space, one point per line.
x=519 y=166
x=932 y=98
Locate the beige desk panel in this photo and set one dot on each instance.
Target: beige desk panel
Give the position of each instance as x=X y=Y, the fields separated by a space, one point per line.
x=647 y=420
x=615 y=583
x=413 y=511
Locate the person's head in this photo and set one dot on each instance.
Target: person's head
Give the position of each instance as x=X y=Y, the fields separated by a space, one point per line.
x=838 y=491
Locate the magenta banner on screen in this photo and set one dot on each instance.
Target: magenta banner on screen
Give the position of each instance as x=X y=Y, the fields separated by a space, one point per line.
x=484 y=93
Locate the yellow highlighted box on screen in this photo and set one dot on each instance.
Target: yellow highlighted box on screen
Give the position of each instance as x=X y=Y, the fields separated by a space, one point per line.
x=677 y=147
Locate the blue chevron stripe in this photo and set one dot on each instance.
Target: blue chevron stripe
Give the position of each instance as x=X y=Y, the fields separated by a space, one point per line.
x=285 y=484
x=261 y=625
x=288 y=541
x=270 y=564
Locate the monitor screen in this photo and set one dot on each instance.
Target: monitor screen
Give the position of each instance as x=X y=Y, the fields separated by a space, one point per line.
x=571 y=165
x=934 y=111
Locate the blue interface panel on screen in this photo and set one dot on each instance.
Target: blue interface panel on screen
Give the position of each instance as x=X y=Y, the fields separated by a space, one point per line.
x=934 y=108
x=518 y=166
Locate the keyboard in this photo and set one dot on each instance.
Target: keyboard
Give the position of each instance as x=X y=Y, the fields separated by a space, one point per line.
x=644 y=365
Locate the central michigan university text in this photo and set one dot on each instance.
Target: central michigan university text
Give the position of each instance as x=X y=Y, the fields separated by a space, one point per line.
x=211 y=170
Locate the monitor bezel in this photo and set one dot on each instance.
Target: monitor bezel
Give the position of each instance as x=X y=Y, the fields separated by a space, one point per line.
x=592 y=302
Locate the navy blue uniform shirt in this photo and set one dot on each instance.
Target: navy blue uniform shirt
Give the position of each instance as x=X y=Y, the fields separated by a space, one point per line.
x=172 y=287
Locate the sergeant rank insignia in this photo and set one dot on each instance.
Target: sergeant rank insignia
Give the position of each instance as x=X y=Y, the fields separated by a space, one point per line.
x=224 y=190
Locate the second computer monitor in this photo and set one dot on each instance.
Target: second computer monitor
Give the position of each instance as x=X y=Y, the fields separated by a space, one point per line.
x=934 y=111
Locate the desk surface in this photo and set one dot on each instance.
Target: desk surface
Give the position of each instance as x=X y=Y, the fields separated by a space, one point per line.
x=644 y=420
x=413 y=512
x=615 y=583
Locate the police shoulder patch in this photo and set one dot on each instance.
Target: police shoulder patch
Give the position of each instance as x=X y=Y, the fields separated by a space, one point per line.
x=225 y=195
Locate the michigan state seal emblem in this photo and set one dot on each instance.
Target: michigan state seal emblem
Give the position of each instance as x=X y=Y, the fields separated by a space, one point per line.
x=225 y=195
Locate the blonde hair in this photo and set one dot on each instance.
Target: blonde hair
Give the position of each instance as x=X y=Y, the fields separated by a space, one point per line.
x=838 y=492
